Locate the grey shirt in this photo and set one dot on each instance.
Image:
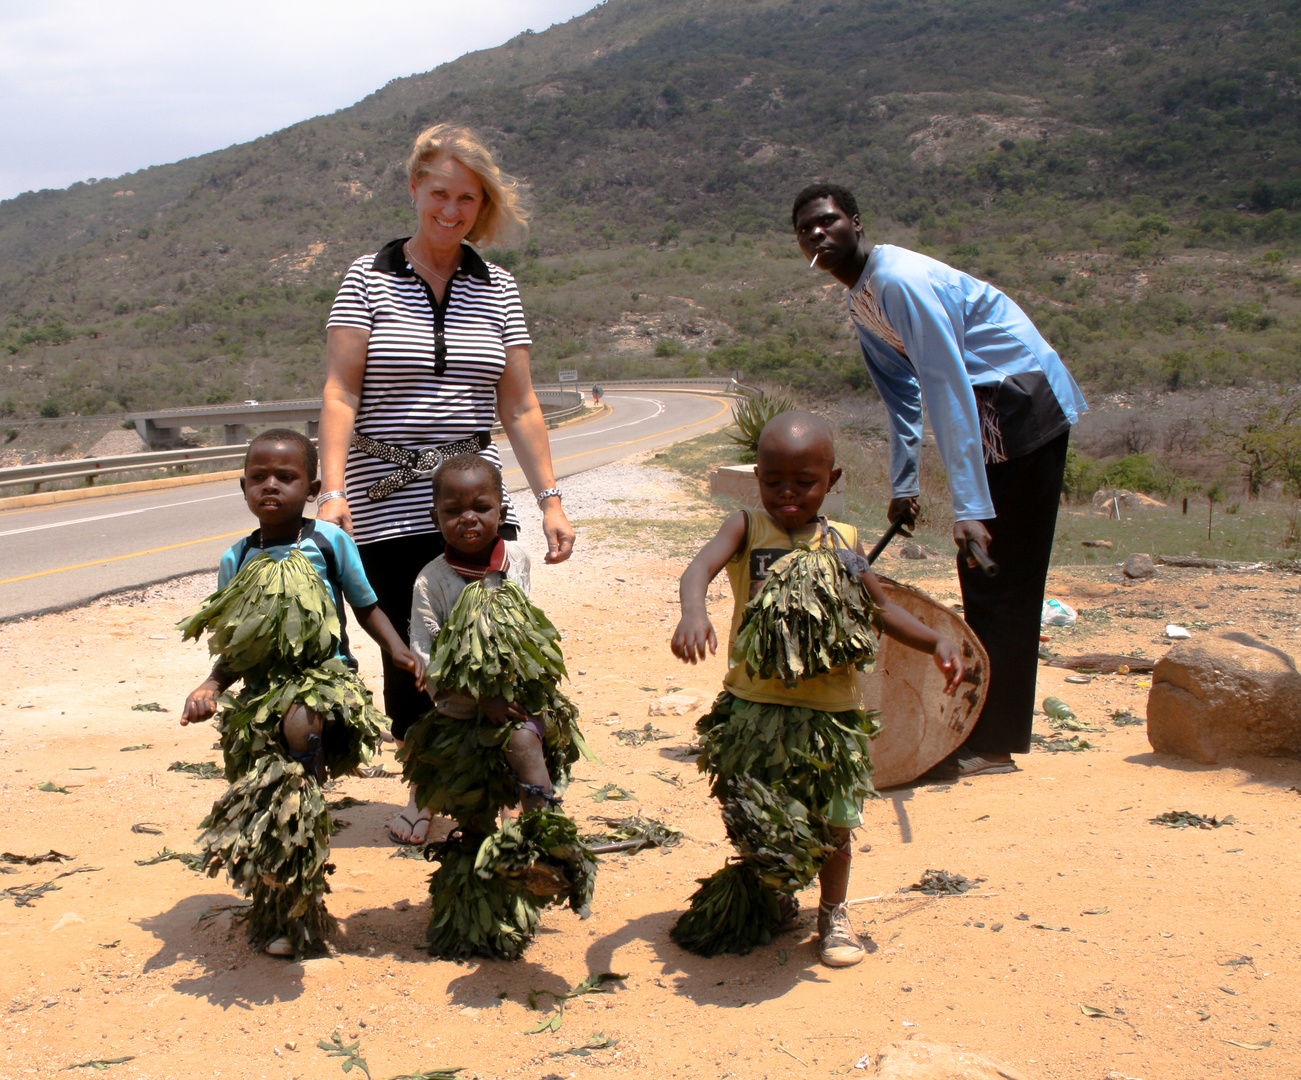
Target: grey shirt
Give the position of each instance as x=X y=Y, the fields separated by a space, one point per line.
x=436 y=591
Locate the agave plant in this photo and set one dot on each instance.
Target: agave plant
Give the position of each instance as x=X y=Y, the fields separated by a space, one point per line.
x=750 y=415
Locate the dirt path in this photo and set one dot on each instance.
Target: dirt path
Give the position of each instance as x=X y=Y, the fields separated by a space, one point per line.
x=1189 y=940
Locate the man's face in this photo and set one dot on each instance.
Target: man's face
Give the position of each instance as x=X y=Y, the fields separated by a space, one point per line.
x=824 y=230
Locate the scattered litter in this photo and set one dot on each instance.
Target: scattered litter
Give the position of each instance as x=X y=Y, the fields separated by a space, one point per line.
x=148 y=828
x=1125 y=718
x=1247 y=1045
x=1073 y=745
x=1184 y=819
x=1097 y=911
x=1055 y=929
x=1055 y=613
x=1177 y=633
x=50 y=785
x=942 y=883
x=1081 y=680
x=1056 y=709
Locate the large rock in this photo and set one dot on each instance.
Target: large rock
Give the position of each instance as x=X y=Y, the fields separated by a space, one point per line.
x=920 y=1060
x=1223 y=697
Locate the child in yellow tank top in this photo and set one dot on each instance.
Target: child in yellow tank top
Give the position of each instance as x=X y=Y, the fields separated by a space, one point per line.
x=796 y=468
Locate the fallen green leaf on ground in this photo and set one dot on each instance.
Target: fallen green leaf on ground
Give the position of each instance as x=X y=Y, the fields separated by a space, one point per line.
x=667 y=777
x=351 y=1053
x=641 y=736
x=1097 y=911
x=138 y=746
x=1125 y=718
x=430 y=1074
x=34 y=860
x=612 y=793
x=50 y=785
x=148 y=706
x=598 y=1041
x=655 y=833
x=1073 y=745
x=23 y=895
x=942 y=883
x=204 y=770
x=345 y=803
x=1184 y=819
x=100 y=1064
x=595 y=983
x=1055 y=929
x=148 y=828
x=191 y=859
x=1247 y=1045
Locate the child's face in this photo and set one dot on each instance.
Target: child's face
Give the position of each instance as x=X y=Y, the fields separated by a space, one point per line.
x=276 y=487
x=468 y=511
x=793 y=481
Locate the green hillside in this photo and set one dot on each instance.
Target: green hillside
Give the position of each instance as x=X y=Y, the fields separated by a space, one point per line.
x=1130 y=172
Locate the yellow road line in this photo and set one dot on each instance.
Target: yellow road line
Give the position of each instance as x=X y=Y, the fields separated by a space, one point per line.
x=631 y=442
x=119 y=558
x=226 y=536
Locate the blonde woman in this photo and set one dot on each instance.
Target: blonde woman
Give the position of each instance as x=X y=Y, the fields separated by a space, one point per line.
x=426 y=346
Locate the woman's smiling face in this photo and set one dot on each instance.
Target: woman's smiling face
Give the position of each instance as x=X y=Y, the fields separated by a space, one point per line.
x=448 y=200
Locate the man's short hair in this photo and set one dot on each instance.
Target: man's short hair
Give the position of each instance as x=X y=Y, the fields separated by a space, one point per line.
x=287 y=435
x=842 y=197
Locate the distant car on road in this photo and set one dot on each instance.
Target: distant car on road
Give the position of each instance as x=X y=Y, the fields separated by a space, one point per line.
x=252 y=401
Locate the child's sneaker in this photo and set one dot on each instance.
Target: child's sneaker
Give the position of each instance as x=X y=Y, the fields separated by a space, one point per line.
x=840 y=946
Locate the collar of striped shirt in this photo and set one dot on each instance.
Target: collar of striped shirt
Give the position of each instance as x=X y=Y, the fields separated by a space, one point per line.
x=390 y=259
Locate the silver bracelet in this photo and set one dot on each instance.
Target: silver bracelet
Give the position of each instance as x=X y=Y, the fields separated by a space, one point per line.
x=544 y=495
x=325 y=497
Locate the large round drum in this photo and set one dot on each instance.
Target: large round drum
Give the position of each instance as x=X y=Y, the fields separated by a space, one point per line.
x=920 y=725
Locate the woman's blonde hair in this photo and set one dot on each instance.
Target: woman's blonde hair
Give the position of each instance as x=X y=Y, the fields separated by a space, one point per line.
x=504 y=215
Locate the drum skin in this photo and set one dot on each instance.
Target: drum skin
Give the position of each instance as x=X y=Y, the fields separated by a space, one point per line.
x=920 y=726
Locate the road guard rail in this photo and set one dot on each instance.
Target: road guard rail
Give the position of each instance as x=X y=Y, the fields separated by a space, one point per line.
x=561 y=402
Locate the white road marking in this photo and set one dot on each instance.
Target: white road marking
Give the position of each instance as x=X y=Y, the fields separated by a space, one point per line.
x=120 y=513
x=659 y=408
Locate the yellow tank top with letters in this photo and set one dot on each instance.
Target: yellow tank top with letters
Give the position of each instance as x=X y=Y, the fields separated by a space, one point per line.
x=765 y=543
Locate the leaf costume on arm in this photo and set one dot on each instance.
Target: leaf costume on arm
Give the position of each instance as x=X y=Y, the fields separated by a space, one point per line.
x=492 y=883
x=777 y=768
x=274 y=625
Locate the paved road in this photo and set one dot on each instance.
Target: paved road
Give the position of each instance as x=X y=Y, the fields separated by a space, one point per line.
x=58 y=556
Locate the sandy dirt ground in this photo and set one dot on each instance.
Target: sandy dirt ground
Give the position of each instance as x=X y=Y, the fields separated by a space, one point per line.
x=1189 y=941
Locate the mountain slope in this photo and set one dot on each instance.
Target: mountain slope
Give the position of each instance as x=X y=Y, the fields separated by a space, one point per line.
x=1006 y=132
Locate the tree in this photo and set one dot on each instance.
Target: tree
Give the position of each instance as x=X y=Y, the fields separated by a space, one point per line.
x=1267 y=444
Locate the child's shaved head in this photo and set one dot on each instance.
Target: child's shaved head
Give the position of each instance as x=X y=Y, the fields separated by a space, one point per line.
x=798 y=431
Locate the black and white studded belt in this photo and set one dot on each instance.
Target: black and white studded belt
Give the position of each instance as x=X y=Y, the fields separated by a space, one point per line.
x=413 y=464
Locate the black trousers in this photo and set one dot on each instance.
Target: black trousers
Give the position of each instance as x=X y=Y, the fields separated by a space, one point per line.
x=392 y=567
x=1005 y=611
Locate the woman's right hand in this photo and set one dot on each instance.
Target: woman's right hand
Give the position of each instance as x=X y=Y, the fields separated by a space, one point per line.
x=337 y=513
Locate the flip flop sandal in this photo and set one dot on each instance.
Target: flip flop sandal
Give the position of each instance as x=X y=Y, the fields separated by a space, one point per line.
x=412 y=824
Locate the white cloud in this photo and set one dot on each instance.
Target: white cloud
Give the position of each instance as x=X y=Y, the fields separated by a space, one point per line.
x=100 y=89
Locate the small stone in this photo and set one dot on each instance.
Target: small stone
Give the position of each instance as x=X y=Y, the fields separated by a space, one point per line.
x=1139 y=566
x=291 y=1045
x=581 y=671
x=913 y=551
x=676 y=704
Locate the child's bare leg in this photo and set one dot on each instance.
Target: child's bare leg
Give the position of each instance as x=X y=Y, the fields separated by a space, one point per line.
x=524 y=753
x=840 y=946
x=303 y=728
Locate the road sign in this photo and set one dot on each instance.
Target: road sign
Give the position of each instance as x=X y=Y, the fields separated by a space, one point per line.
x=567 y=376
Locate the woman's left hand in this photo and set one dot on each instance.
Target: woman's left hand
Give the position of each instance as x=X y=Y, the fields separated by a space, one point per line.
x=559 y=533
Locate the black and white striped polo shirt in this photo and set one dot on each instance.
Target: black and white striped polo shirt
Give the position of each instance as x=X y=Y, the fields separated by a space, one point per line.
x=431 y=372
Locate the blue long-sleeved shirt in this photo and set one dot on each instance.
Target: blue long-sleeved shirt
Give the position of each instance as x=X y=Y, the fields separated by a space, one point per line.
x=933 y=335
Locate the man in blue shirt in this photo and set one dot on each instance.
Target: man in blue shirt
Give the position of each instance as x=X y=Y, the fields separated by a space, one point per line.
x=1001 y=405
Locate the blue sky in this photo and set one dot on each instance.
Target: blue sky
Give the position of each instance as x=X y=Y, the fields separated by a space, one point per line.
x=90 y=88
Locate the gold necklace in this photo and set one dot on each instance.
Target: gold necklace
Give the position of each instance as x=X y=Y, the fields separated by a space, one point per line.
x=406 y=250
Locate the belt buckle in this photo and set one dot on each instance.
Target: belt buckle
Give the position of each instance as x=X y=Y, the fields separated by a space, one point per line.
x=426 y=463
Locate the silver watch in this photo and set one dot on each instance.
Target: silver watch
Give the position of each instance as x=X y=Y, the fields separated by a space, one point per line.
x=544 y=495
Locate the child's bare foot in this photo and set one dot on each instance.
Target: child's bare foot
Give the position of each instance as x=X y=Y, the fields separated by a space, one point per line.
x=411 y=826
x=278 y=947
